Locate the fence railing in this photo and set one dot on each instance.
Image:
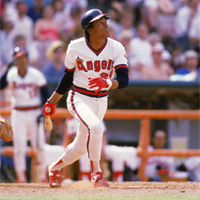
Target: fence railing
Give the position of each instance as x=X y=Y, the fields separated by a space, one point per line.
x=144 y=139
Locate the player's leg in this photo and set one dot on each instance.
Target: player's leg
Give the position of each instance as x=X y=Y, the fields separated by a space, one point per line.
x=37 y=138
x=18 y=121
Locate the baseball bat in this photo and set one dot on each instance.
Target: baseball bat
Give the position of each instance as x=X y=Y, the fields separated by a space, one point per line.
x=47 y=122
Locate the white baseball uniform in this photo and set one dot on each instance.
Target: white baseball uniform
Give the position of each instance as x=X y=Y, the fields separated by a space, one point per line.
x=26 y=103
x=83 y=103
x=193 y=167
x=120 y=156
x=154 y=161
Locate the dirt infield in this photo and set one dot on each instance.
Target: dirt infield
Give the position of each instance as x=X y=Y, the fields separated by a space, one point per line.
x=86 y=188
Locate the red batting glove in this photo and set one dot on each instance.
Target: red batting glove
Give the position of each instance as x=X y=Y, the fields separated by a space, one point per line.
x=99 y=82
x=49 y=109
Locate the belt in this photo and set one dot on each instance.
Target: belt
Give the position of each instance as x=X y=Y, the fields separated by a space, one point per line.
x=27 y=108
x=89 y=92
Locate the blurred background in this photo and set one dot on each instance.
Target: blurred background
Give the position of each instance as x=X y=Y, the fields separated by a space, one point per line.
x=162 y=42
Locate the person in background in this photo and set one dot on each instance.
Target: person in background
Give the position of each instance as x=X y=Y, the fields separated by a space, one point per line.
x=183 y=20
x=126 y=22
x=125 y=38
x=46 y=30
x=154 y=38
x=5 y=45
x=190 y=71
x=56 y=55
x=159 y=70
x=20 y=41
x=26 y=83
x=157 y=163
x=23 y=24
x=140 y=52
x=35 y=11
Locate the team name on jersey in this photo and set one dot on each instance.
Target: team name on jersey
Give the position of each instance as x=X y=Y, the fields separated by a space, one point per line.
x=24 y=85
x=97 y=65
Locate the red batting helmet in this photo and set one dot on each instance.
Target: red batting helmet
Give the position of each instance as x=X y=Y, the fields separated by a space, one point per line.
x=91 y=16
x=19 y=52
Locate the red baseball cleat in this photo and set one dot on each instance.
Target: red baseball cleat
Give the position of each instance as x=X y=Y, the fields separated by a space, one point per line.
x=98 y=180
x=55 y=177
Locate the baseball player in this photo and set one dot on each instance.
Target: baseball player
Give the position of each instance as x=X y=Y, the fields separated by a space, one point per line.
x=25 y=83
x=119 y=155
x=90 y=62
x=159 y=164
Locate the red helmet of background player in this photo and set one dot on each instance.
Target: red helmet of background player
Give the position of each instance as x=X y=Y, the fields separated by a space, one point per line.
x=19 y=52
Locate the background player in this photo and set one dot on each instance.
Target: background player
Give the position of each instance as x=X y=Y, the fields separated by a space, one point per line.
x=89 y=62
x=25 y=83
x=156 y=163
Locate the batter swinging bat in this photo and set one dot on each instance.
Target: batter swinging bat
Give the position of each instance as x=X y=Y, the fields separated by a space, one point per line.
x=48 y=123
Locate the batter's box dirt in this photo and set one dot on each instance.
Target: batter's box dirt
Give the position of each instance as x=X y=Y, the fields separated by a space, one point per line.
x=115 y=188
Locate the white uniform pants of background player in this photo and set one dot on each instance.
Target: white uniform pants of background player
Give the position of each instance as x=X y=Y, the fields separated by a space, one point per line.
x=25 y=128
x=120 y=156
x=89 y=111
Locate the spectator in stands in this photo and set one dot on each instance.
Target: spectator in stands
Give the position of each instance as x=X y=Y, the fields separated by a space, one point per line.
x=115 y=11
x=165 y=18
x=46 y=30
x=184 y=18
x=190 y=71
x=33 y=55
x=56 y=55
x=126 y=22
x=125 y=38
x=64 y=36
x=150 y=13
x=61 y=16
x=154 y=38
x=35 y=11
x=140 y=52
x=23 y=24
x=5 y=46
x=157 y=163
x=159 y=70
x=191 y=165
x=194 y=34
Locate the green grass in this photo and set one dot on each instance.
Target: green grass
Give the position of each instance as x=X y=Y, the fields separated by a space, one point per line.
x=101 y=197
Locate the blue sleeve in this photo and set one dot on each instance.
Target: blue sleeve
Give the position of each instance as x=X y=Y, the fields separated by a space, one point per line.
x=45 y=94
x=65 y=82
x=122 y=77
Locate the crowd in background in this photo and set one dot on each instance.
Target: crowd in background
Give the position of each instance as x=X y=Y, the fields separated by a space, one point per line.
x=161 y=37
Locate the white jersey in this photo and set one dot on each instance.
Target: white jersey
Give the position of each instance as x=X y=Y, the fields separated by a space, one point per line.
x=25 y=90
x=152 y=162
x=89 y=63
x=193 y=166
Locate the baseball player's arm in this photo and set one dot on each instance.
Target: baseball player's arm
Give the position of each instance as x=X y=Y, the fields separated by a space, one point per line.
x=122 y=79
x=44 y=94
x=63 y=86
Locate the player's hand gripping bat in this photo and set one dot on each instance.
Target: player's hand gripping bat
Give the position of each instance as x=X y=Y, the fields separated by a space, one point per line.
x=48 y=110
x=47 y=122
